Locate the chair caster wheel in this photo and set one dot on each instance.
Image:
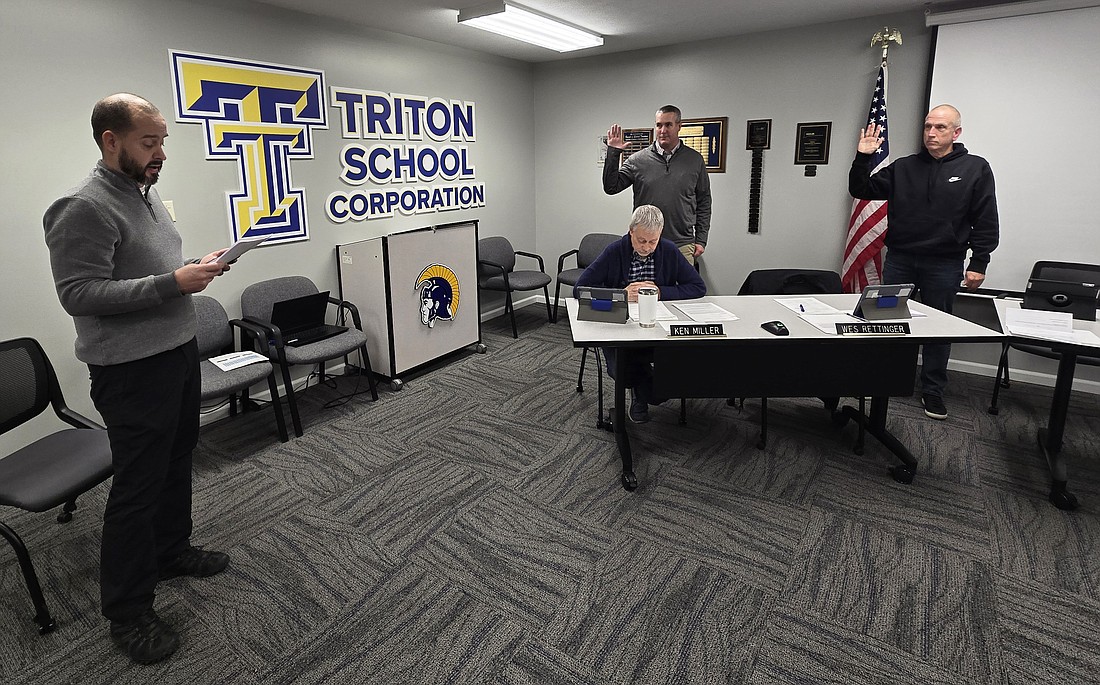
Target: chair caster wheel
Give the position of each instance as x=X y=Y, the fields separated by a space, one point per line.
x=760 y=444
x=46 y=627
x=994 y=410
x=481 y=349
x=396 y=384
x=902 y=474
x=630 y=481
x=64 y=517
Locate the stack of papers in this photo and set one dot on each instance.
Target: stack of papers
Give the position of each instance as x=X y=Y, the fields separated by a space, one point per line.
x=1035 y=323
x=704 y=312
x=663 y=314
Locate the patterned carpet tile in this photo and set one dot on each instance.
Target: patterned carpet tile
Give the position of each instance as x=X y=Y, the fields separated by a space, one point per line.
x=935 y=604
x=320 y=464
x=521 y=560
x=535 y=663
x=582 y=475
x=745 y=536
x=944 y=513
x=415 y=627
x=1048 y=636
x=1032 y=540
x=283 y=583
x=69 y=575
x=230 y=508
x=645 y=616
x=405 y=503
x=797 y=649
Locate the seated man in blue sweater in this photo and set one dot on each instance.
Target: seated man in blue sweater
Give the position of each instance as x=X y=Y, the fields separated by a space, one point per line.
x=642 y=259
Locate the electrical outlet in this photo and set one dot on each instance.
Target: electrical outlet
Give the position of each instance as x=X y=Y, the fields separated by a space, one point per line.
x=171 y=207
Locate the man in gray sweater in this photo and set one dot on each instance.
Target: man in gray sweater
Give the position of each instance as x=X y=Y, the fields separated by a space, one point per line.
x=667 y=174
x=119 y=272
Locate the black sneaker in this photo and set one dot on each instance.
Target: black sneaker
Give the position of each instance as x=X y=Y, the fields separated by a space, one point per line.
x=934 y=407
x=195 y=562
x=145 y=639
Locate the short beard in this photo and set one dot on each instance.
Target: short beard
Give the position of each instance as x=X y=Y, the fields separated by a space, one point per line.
x=131 y=170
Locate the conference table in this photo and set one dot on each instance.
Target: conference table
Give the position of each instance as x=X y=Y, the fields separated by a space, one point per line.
x=747 y=361
x=1050 y=437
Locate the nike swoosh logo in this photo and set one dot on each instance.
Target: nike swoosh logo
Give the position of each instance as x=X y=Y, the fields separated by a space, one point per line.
x=954 y=178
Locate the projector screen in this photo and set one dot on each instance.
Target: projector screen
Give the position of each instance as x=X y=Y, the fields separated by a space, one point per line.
x=1029 y=94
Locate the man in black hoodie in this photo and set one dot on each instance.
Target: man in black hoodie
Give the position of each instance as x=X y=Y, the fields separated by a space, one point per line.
x=941 y=203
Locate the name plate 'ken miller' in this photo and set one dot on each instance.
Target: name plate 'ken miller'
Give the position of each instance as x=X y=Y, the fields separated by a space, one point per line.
x=867 y=328
x=696 y=330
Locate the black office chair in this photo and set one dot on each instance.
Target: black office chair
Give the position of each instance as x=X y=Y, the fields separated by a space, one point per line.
x=591 y=246
x=256 y=303
x=790 y=282
x=1050 y=271
x=51 y=471
x=215 y=337
x=497 y=271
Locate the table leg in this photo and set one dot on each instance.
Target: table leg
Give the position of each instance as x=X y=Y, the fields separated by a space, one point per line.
x=876 y=426
x=1050 y=438
x=629 y=480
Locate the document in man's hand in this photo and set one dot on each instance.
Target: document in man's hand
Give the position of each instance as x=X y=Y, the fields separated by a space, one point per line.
x=239 y=248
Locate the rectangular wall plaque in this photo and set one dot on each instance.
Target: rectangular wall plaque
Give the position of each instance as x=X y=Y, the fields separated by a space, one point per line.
x=708 y=137
x=812 y=143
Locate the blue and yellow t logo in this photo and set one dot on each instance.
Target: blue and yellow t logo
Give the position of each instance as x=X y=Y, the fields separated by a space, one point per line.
x=260 y=115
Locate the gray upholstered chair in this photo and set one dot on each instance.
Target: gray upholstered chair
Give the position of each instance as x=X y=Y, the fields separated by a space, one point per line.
x=591 y=246
x=256 y=302
x=497 y=271
x=215 y=337
x=53 y=470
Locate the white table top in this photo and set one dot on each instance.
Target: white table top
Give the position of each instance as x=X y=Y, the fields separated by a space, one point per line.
x=753 y=310
x=1090 y=346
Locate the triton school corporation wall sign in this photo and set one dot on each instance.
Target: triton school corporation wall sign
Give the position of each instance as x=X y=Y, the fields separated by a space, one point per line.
x=411 y=154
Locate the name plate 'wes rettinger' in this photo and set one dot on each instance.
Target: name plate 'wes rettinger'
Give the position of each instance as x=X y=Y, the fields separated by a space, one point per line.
x=696 y=330
x=866 y=328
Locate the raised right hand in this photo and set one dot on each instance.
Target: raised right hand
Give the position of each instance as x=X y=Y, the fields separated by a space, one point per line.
x=870 y=139
x=615 y=137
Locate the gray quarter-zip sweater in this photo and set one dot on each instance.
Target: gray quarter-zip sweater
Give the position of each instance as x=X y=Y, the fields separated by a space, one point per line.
x=114 y=253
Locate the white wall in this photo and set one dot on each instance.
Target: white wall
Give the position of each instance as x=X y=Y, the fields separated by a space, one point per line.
x=60 y=56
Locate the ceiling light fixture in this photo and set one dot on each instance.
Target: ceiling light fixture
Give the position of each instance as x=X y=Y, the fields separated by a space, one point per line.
x=513 y=21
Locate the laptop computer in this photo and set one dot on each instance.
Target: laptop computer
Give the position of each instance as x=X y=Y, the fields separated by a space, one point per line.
x=302 y=319
x=1080 y=299
x=884 y=302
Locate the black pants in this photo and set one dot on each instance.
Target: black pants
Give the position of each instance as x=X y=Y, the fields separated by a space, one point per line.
x=151 y=408
x=639 y=369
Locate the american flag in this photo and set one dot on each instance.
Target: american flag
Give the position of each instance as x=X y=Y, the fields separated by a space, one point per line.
x=867 y=227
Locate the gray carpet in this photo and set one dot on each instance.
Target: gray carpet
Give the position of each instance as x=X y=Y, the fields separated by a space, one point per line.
x=471 y=529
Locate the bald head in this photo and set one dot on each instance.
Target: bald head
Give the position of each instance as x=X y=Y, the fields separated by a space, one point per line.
x=942 y=127
x=116 y=113
x=950 y=112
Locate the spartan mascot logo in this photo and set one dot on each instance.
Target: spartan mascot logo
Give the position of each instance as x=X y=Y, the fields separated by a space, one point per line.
x=438 y=286
x=260 y=115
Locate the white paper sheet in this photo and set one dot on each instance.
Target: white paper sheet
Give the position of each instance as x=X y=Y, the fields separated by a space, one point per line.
x=1036 y=323
x=704 y=312
x=235 y=360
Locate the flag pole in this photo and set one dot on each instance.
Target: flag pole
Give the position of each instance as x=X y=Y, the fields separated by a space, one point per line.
x=865 y=243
